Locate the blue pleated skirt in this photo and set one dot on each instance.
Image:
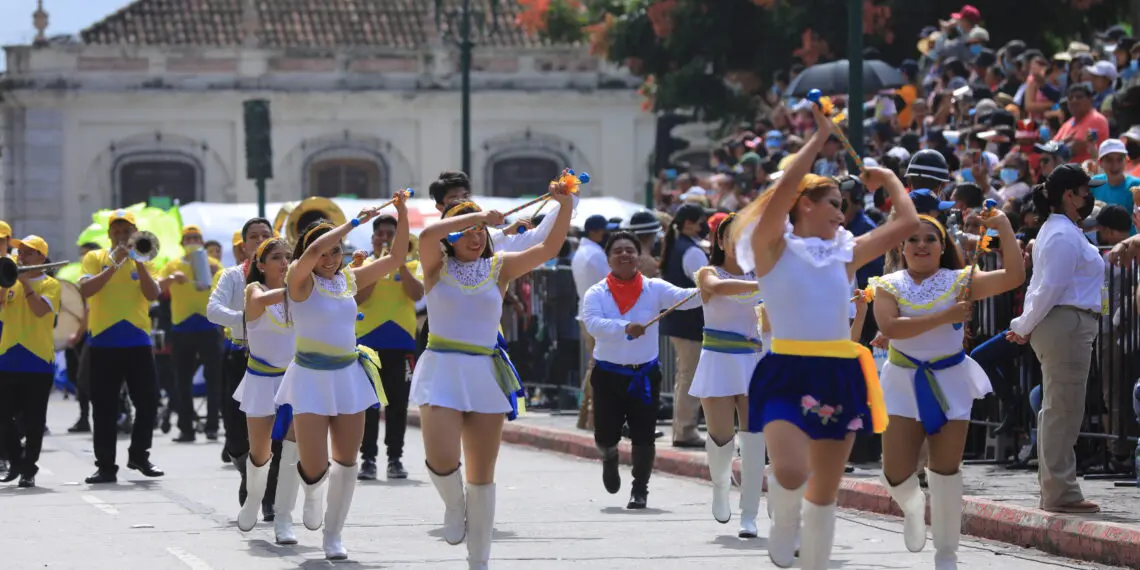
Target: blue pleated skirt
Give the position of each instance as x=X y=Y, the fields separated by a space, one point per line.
x=824 y=397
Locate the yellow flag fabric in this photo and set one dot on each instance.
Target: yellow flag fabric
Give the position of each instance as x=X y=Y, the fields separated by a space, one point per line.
x=166 y=225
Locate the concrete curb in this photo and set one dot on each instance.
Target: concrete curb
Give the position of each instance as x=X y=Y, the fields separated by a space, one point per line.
x=1062 y=535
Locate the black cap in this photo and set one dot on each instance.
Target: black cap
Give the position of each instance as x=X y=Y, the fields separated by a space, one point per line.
x=1114 y=217
x=1069 y=176
x=1113 y=34
x=598 y=222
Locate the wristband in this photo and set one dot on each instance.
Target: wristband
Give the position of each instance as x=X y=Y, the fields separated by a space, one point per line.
x=355 y=222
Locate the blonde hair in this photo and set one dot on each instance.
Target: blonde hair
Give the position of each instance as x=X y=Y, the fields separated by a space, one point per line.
x=755 y=210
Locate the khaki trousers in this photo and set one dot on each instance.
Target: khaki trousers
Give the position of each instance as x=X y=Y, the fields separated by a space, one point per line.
x=1063 y=343
x=686 y=409
x=585 y=416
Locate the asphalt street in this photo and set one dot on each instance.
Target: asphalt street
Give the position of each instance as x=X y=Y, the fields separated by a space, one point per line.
x=553 y=513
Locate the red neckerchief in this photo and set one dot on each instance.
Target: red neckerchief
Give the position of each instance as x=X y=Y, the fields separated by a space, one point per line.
x=626 y=293
x=245 y=268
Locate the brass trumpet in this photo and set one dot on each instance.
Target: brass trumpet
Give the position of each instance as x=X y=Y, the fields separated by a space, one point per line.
x=10 y=272
x=143 y=247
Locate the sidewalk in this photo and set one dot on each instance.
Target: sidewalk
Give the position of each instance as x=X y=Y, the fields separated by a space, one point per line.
x=1000 y=503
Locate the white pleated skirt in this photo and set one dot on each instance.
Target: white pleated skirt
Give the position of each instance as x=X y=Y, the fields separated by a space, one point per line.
x=462 y=382
x=327 y=392
x=961 y=384
x=258 y=395
x=720 y=374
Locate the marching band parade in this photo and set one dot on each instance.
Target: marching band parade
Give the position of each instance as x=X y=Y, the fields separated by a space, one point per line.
x=779 y=336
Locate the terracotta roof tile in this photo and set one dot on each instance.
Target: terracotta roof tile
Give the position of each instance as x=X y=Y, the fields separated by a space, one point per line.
x=406 y=24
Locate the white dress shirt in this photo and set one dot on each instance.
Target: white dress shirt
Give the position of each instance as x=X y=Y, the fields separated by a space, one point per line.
x=693 y=260
x=589 y=265
x=226 y=306
x=607 y=325
x=521 y=242
x=1067 y=271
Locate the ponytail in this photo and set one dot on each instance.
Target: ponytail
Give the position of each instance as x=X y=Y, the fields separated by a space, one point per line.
x=1041 y=202
x=667 y=246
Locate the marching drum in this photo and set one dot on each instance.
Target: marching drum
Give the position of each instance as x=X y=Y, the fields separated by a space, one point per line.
x=71 y=312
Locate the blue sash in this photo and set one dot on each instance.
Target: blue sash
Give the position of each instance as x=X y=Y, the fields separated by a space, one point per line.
x=932 y=404
x=638 y=379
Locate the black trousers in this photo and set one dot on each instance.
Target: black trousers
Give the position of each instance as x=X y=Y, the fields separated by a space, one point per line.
x=111 y=367
x=395 y=375
x=237 y=434
x=75 y=367
x=191 y=349
x=24 y=395
x=615 y=405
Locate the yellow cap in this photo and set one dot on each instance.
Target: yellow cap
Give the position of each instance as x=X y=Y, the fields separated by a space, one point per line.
x=191 y=230
x=237 y=238
x=121 y=215
x=32 y=242
x=5 y=230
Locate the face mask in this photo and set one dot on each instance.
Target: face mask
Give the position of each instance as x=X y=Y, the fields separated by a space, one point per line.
x=1087 y=208
x=966 y=174
x=975 y=49
x=1008 y=176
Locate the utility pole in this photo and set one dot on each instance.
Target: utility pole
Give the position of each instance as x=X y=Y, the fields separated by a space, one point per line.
x=258 y=147
x=464 y=26
x=855 y=75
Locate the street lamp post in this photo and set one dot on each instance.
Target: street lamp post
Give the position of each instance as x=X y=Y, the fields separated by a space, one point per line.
x=855 y=74
x=464 y=24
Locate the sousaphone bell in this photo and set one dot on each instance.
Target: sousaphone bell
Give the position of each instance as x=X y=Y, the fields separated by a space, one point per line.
x=294 y=217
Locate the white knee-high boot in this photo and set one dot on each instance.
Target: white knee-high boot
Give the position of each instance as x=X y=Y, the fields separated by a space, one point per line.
x=285 y=500
x=818 y=536
x=946 y=518
x=912 y=501
x=450 y=488
x=255 y=480
x=313 y=511
x=785 y=506
x=342 y=485
x=480 y=524
x=751 y=481
x=720 y=471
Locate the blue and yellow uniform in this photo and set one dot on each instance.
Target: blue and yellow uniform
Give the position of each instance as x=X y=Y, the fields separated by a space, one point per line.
x=120 y=314
x=27 y=364
x=389 y=321
x=187 y=302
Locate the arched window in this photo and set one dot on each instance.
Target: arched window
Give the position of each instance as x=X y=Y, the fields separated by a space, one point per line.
x=335 y=177
x=139 y=180
x=516 y=176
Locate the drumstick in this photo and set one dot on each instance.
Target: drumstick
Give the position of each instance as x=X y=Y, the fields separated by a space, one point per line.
x=522 y=229
x=814 y=96
x=571 y=179
x=662 y=314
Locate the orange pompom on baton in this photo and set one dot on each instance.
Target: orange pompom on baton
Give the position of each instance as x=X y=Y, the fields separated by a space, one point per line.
x=573 y=184
x=982 y=247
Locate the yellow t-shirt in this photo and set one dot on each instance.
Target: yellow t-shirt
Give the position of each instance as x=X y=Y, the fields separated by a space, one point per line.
x=187 y=303
x=389 y=314
x=119 y=313
x=27 y=343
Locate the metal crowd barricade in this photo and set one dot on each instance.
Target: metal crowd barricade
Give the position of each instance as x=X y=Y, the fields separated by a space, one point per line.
x=1110 y=428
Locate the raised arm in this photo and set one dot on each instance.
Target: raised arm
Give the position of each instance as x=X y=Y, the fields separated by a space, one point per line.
x=150 y=289
x=257 y=299
x=299 y=280
x=520 y=242
x=431 y=254
x=95 y=276
x=516 y=265
x=1012 y=272
x=397 y=256
x=878 y=241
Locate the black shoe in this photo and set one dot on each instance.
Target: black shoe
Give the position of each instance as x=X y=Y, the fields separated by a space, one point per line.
x=611 y=478
x=239 y=464
x=1008 y=420
x=212 y=434
x=267 y=511
x=164 y=425
x=695 y=444
x=102 y=476
x=396 y=469
x=3 y=466
x=367 y=470
x=637 y=499
x=27 y=481
x=82 y=425
x=225 y=455
x=11 y=475
x=145 y=467
x=184 y=437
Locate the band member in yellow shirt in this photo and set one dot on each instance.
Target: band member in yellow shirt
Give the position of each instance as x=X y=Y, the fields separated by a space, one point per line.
x=10 y=444
x=27 y=356
x=389 y=328
x=119 y=291
x=194 y=339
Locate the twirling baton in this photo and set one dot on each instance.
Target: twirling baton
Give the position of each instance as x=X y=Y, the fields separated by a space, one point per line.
x=569 y=178
x=662 y=314
x=815 y=96
x=965 y=292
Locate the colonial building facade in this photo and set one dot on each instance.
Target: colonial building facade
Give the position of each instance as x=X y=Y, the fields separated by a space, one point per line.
x=364 y=99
